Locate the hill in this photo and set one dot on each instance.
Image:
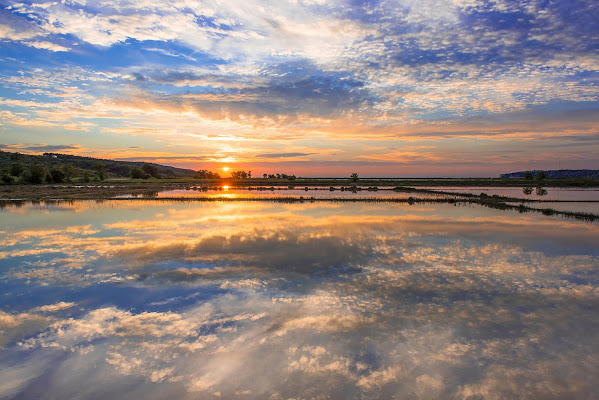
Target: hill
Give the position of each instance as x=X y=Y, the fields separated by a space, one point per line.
x=114 y=169
x=558 y=173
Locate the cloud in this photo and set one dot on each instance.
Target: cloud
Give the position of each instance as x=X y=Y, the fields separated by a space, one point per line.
x=241 y=79
x=46 y=46
x=283 y=155
x=249 y=254
x=55 y=307
x=48 y=147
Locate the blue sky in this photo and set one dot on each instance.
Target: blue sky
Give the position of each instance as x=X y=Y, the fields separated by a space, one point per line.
x=383 y=88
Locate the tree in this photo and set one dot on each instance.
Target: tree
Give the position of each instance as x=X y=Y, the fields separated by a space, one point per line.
x=151 y=170
x=250 y=174
x=541 y=175
x=205 y=174
x=56 y=175
x=355 y=177
x=265 y=176
x=86 y=176
x=528 y=176
x=239 y=175
x=69 y=172
x=16 y=169
x=6 y=177
x=35 y=174
x=100 y=168
x=136 y=173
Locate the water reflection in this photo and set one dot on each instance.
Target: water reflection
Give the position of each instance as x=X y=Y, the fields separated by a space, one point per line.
x=270 y=300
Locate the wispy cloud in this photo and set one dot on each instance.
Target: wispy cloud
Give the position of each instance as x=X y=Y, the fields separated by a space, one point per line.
x=283 y=74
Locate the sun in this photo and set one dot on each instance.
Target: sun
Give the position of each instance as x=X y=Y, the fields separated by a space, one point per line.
x=225 y=169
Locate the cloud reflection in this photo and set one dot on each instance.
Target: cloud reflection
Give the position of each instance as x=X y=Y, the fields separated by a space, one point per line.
x=299 y=301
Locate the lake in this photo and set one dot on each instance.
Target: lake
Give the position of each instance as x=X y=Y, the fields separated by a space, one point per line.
x=264 y=300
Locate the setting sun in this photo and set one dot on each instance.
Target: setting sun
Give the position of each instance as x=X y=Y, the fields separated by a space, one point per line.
x=225 y=169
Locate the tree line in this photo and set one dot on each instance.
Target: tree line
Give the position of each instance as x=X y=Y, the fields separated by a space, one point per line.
x=38 y=173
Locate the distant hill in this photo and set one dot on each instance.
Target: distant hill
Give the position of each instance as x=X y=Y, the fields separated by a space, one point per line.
x=115 y=169
x=558 y=173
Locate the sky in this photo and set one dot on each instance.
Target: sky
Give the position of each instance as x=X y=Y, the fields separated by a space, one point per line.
x=403 y=88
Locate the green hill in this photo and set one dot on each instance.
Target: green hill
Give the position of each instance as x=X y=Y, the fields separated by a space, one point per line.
x=13 y=162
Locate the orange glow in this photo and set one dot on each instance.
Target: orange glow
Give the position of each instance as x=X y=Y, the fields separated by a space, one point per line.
x=225 y=169
x=226 y=188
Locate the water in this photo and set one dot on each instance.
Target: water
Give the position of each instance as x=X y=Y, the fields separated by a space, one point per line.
x=158 y=299
x=567 y=199
x=283 y=192
x=589 y=208
x=552 y=193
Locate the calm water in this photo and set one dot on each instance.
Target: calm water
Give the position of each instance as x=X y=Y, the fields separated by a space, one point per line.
x=551 y=193
x=152 y=299
x=316 y=192
x=568 y=199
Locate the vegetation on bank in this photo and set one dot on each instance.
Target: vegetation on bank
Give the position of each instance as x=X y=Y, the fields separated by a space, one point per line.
x=59 y=168
x=52 y=168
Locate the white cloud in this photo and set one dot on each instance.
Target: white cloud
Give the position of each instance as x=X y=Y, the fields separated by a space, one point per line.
x=46 y=46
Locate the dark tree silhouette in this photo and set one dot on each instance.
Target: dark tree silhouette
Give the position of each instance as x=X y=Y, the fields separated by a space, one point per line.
x=528 y=176
x=205 y=174
x=16 y=169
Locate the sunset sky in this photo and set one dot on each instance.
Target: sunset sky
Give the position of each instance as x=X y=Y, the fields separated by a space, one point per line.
x=308 y=87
